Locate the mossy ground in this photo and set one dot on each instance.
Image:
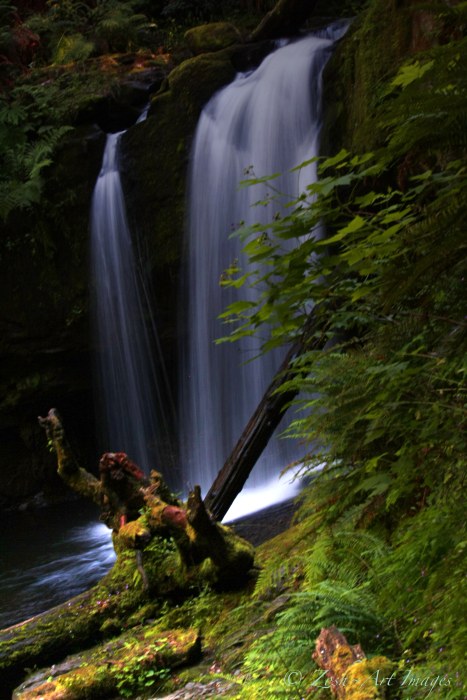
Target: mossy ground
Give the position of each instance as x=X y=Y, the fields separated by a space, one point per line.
x=231 y=622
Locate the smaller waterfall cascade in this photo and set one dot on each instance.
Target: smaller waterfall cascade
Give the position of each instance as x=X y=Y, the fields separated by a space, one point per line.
x=126 y=337
x=267 y=121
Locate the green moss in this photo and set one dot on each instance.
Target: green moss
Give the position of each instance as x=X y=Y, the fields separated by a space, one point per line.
x=367 y=679
x=194 y=81
x=357 y=75
x=135 y=661
x=358 y=71
x=212 y=37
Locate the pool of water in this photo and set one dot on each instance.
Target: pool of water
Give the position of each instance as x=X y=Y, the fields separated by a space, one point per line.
x=49 y=556
x=52 y=554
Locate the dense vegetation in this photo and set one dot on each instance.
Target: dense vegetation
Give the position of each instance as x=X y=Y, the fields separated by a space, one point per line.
x=382 y=407
x=56 y=61
x=379 y=545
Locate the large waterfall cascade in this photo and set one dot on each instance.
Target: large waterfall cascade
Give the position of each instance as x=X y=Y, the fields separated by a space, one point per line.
x=134 y=414
x=266 y=121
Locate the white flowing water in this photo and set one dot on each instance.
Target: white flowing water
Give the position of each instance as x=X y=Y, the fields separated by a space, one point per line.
x=49 y=556
x=265 y=122
x=128 y=387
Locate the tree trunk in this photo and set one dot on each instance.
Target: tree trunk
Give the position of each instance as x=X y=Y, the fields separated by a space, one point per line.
x=123 y=492
x=267 y=416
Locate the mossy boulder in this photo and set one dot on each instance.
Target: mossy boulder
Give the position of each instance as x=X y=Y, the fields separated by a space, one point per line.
x=212 y=37
x=194 y=81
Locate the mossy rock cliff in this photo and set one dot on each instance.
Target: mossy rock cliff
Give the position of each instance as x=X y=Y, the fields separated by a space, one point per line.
x=356 y=78
x=45 y=347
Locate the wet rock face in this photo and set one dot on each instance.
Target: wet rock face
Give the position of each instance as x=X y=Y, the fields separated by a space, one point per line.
x=154 y=162
x=117 y=112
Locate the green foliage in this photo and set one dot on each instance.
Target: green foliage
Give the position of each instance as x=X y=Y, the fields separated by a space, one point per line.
x=428 y=96
x=36 y=111
x=74 y=30
x=134 y=676
x=118 y=24
x=6 y=19
x=72 y=47
x=26 y=154
x=382 y=405
x=189 y=11
x=35 y=116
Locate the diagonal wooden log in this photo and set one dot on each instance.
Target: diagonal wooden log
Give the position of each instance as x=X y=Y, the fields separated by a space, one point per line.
x=267 y=416
x=286 y=17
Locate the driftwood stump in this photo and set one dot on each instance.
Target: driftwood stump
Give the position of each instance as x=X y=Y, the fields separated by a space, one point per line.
x=347 y=673
x=166 y=551
x=138 y=509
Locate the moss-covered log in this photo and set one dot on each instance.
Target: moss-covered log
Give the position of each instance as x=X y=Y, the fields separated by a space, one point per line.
x=133 y=661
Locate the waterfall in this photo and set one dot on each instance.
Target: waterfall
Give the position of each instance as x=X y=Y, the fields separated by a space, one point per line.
x=127 y=383
x=265 y=122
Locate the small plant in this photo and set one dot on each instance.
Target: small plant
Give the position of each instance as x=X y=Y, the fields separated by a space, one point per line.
x=138 y=675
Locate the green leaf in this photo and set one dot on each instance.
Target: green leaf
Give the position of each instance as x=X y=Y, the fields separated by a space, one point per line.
x=362 y=291
x=257 y=180
x=355 y=225
x=334 y=160
x=238 y=308
x=413 y=71
x=377 y=484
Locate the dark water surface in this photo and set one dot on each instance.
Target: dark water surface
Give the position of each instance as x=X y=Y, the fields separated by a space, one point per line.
x=48 y=556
